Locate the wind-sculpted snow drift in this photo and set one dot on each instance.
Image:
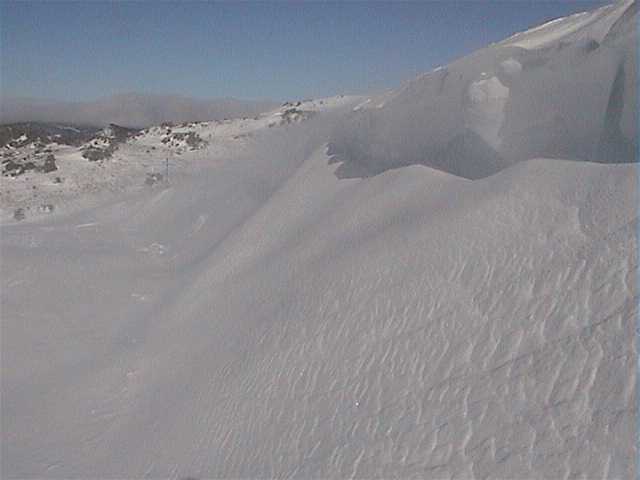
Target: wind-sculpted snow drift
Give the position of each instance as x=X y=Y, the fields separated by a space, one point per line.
x=539 y=94
x=266 y=317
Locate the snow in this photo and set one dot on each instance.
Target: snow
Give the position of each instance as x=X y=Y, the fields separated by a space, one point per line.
x=488 y=99
x=138 y=156
x=511 y=67
x=312 y=299
x=504 y=104
x=571 y=28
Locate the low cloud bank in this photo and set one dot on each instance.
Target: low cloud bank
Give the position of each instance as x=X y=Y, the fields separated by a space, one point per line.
x=131 y=110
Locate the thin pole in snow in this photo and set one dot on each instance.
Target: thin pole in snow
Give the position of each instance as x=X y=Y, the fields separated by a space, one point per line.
x=166 y=169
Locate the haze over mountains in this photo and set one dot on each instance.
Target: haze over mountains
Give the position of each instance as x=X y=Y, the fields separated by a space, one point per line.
x=129 y=110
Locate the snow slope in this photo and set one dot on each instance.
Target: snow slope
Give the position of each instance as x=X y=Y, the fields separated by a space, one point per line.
x=571 y=93
x=283 y=311
x=188 y=147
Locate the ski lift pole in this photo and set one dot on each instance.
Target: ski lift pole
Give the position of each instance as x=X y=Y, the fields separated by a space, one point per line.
x=166 y=170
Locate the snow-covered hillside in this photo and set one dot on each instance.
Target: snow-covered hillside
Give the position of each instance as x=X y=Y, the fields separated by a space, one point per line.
x=438 y=282
x=565 y=90
x=119 y=160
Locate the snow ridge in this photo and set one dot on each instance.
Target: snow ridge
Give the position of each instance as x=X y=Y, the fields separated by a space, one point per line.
x=570 y=94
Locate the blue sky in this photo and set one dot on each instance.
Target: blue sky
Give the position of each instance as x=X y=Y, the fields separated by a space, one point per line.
x=277 y=50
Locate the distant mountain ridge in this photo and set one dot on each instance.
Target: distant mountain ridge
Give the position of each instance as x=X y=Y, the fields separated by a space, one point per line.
x=26 y=132
x=129 y=110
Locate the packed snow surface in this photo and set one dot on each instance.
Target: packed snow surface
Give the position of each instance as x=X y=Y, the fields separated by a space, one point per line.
x=312 y=297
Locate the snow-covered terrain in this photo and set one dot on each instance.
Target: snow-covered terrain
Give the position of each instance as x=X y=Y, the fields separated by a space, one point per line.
x=437 y=282
x=108 y=163
x=574 y=96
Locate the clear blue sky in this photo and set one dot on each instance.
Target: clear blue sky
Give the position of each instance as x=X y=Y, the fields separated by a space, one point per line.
x=278 y=50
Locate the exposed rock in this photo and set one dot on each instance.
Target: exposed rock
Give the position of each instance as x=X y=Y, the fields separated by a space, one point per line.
x=20 y=134
x=190 y=140
x=19 y=214
x=95 y=154
x=49 y=164
x=153 y=178
x=119 y=134
x=107 y=141
x=294 y=114
x=46 y=208
x=13 y=167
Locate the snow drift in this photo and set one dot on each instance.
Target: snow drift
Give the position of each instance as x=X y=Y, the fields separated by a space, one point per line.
x=282 y=312
x=565 y=90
